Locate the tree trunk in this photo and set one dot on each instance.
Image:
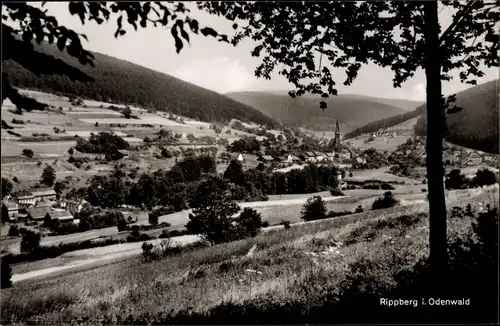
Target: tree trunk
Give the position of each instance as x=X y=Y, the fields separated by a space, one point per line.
x=435 y=132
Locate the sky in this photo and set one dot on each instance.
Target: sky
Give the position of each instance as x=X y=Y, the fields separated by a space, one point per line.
x=219 y=66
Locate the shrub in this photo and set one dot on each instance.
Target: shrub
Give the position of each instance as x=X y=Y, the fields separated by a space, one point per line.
x=336 y=192
x=164 y=234
x=314 y=209
x=5 y=275
x=286 y=224
x=373 y=185
x=386 y=201
x=153 y=219
x=455 y=180
x=249 y=223
x=484 y=177
x=28 y=152
x=386 y=186
x=122 y=224
x=147 y=250
x=359 y=209
x=14 y=231
x=265 y=224
x=30 y=243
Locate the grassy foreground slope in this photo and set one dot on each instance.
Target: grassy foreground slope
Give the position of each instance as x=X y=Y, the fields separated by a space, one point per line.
x=314 y=273
x=351 y=111
x=476 y=126
x=121 y=81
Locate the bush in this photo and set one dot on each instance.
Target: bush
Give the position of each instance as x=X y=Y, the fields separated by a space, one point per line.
x=13 y=231
x=456 y=180
x=153 y=219
x=249 y=223
x=265 y=224
x=386 y=201
x=314 y=209
x=286 y=224
x=336 y=192
x=484 y=177
x=359 y=209
x=372 y=185
x=28 y=152
x=122 y=224
x=5 y=275
x=386 y=186
x=30 y=243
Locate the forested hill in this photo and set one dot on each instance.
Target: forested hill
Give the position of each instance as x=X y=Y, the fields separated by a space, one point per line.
x=123 y=82
x=476 y=126
x=351 y=111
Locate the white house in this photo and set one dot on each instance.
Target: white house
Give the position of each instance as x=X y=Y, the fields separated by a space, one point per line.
x=240 y=158
x=45 y=194
x=76 y=206
x=474 y=159
x=24 y=198
x=292 y=158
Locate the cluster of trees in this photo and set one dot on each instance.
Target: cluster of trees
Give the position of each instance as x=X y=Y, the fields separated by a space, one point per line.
x=245 y=144
x=101 y=143
x=456 y=180
x=215 y=214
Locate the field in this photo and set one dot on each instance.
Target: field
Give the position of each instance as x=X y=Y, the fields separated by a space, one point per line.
x=381 y=143
x=300 y=265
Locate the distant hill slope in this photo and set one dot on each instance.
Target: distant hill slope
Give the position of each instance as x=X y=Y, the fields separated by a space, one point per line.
x=127 y=83
x=476 y=126
x=351 y=111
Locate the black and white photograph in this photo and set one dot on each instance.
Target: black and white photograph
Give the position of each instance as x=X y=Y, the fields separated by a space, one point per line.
x=250 y=162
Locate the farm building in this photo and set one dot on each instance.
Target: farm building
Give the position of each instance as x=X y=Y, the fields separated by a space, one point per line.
x=37 y=213
x=345 y=155
x=330 y=156
x=474 y=159
x=23 y=198
x=292 y=158
x=240 y=158
x=124 y=153
x=310 y=157
x=319 y=156
x=9 y=210
x=45 y=194
x=266 y=158
x=62 y=216
x=76 y=206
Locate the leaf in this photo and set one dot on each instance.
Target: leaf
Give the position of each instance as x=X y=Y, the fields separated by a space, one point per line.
x=99 y=20
x=27 y=36
x=85 y=37
x=235 y=26
x=122 y=32
x=61 y=42
x=322 y=105
x=184 y=34
x=178 y=41
x=193 y=24
x=73 y=8
x=208 y=31
x=324 y=95
x=119 y=22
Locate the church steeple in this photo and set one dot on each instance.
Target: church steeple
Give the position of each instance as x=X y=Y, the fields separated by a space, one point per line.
x=336 y=142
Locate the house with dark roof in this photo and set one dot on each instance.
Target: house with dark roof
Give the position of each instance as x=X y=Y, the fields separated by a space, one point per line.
x=37 y=213
x=474 y=159
x=266 y=158
x=9 y=210
x=62 y=216
x=292 y=158
x=310 y=156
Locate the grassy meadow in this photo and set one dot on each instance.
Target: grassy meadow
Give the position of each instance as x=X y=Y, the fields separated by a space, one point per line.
x=299 y=267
